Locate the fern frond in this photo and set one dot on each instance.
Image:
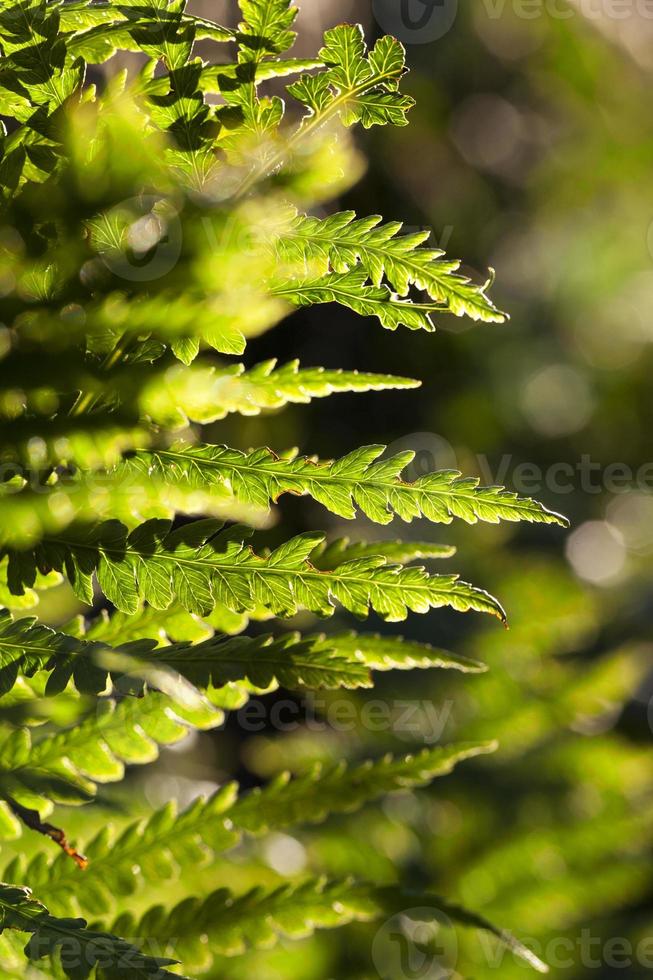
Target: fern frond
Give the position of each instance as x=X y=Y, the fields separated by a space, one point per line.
x=78 y=948
x=384 y=653
x=66 y=767
x=153 y=848
x=291 y=661
x=356 y=85
x=265 y=662
x=360 y=479
x=32 y=514
x=259 y=919
x=351 y=289
x=328 y=556
x=202 y=565
x=207 y=394
x=320 y=792
x=266 y=28
x=341 y=243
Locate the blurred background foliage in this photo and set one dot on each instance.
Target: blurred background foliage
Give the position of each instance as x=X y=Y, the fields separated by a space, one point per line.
x=530 y=149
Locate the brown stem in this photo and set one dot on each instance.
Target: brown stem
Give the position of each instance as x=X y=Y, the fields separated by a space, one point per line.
x=32 y=820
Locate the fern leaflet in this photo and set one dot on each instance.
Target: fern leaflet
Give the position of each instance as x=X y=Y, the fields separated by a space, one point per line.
x=360 y=479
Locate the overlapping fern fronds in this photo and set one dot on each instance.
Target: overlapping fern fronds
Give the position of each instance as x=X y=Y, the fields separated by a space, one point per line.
x=145 y=226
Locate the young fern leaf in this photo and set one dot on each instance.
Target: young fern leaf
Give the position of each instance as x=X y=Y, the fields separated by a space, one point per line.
x=266 y=28
x=203 y=566
x=351 y=289
x=342 y=243
x=207 y=394
x=78 y=948
x=66 y=767
x=314 y=662
x=259 y=919
x=356 y=85
x=153 y=848
x=288 y=661
x=361 y=479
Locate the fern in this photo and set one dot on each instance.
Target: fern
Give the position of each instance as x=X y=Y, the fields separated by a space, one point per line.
x=122 y=272
x=290 y=661
x=208 y=394
x=343 y=242
x=259 y=919
x=358 y=479
x=67 y=766
x=202 y=565
x=81 y=948
x=122 y=863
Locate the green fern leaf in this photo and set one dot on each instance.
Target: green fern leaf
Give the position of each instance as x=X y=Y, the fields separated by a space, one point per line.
x=342 y=243
x=207 y=394
x=259 y=919
x=27 y=647
x=350 y=289
x=357 y=86
x=266 y=28
x=78 y=948
x=312 y=797
x=360 y=479
x=66 y=767
x=202 y=565
x=290 y=661
x=167 y=840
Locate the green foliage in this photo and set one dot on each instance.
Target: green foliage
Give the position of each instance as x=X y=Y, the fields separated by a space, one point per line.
x=360 y=479
x=145 y=226
x=82 y=949
x=259 y=918
x=342 y=242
